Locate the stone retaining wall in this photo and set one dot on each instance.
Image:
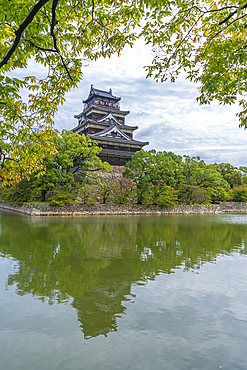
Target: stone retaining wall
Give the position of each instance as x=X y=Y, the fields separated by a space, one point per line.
x=39 y=209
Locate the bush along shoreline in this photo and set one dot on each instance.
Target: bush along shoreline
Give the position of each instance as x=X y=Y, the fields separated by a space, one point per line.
x=76 y=175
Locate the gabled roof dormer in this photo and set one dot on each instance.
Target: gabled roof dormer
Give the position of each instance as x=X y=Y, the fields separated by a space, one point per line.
x=109 y=118
x=112 y=131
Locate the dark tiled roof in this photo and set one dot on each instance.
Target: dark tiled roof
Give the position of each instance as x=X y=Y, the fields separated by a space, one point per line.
x=115 y=119
x=131 y=141
x=117 y=152
x=107 y=109
x=109 y=129
x=107 y=124
x=101 y=93
x=80 y=115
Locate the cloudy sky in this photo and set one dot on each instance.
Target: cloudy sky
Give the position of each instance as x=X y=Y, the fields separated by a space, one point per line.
x=167 y=114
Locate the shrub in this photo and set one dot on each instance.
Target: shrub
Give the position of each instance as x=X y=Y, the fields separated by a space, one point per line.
x=24 y=191
x=239 y=193
x=60 y=197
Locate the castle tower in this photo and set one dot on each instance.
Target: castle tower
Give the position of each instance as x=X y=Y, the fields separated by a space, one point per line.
x=103 y=121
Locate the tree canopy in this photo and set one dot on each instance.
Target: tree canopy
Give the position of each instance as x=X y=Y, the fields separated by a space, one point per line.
x=77 y=175
x=75 y=164
x=66 y=172
x=58 y=35
x=165 y=178
x=206 y=39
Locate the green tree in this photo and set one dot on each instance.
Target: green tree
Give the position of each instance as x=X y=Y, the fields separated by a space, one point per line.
x=59 y=35
x=85 y=193
x=104 y=189
x=23 y=191
x=154 y=175
x=161 y=194
x=162 y=178
x=230 y=173
x=243 y=170
x=123 y=190
x=73 y=166
x=207 y=41
x=239 y=193
x=140 y=171
x=201 y=183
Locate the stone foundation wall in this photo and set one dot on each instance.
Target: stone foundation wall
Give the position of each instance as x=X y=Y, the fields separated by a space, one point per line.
x=117 y=171
x=39 y=209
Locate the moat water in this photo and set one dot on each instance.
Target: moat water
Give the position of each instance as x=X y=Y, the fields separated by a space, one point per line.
x=127 y=292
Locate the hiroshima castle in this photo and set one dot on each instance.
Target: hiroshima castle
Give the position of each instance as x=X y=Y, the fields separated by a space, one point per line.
x=104 y=122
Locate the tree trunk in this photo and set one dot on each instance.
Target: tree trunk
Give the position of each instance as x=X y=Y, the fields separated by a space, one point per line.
x=43 y=196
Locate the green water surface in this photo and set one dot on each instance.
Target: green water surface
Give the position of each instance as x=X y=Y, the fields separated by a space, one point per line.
x=125 y=292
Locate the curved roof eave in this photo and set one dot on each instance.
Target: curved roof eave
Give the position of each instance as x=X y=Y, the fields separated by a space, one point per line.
x=118 y=140
x=125 y=112
x=105 y=123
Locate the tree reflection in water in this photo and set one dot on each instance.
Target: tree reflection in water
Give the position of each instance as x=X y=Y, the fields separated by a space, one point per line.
x=92 y=262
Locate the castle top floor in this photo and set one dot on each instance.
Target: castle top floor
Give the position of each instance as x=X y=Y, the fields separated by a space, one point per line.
x=101 y=98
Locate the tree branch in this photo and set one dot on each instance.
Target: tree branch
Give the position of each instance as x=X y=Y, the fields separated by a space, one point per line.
x=215 y=10
x=39 y=47
x=5 y=159
x=21 y=29
x=53 y=24
x=237 y=19
x=65 y=66
x=93 y=5
x=231 y=15
x=187 y=34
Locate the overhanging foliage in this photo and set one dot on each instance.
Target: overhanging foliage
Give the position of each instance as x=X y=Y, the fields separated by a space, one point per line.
x=207 y=39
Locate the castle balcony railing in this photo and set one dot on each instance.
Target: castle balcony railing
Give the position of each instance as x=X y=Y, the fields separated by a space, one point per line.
x=101 y=103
